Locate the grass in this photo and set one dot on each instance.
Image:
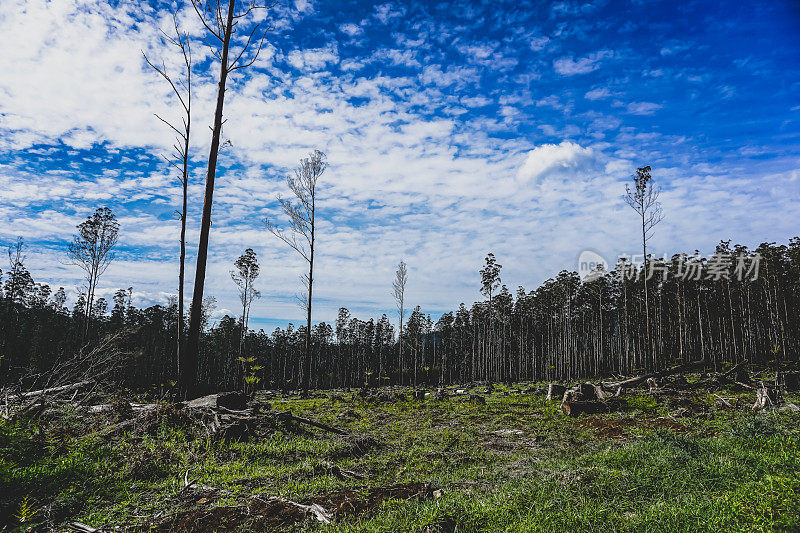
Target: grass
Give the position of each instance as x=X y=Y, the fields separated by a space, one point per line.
x=516 y=464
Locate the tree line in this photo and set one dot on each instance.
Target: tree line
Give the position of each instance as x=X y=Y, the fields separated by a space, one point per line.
x=710 y=308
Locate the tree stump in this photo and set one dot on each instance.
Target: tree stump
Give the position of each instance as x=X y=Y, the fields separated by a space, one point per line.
x=766 y=397
x=236 y=401
x=790 y=381
x=555 y=391
x=477 y=399
x=583 y=392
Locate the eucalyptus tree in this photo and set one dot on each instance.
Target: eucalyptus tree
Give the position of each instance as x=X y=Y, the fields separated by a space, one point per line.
x=18 y=279
x=490 y=281
x=415 y=329
x=244 y=276
x=220 y=24
x=92 y=249
x=399 y=293
x=643 y=198
x=302 y=233
x=179 y=159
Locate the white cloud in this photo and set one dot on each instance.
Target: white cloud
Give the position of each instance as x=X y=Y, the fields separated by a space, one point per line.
x=351 y=29
x=643 y=108
x=549 y=157
x=386 y=12
x=598 y=94
x=569 y=66
x=313 y=58
x=304 y=6
x=538 y=43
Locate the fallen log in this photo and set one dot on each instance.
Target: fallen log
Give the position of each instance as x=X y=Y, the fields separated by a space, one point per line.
x=619 y=386
x=288 y=416
x=576 y=408
x=734 y=369
x=135 y=407
x=340 y=472
x=315 y=509
x=78 y=526
x=726 y=401
x=54 y=390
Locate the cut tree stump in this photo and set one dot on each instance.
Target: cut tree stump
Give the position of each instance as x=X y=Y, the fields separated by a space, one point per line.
x=585 y=392
x=235 y=401
x=555 y=391
x=477 y=399
x=766 y=397
x=789 y=381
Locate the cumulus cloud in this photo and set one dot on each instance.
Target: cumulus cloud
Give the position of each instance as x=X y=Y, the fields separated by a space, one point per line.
x=549 y=157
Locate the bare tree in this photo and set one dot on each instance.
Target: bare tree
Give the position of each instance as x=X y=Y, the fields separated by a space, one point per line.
x=399 y=292
x=220 y=24
x=180 y=157
x=643 y=198
x=302 y=233
x=92 y=251
x=247 y=270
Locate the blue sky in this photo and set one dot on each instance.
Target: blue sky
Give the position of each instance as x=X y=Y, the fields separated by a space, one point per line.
x=452 y=130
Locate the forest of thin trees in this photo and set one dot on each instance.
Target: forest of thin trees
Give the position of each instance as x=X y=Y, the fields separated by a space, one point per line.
x=734 y=305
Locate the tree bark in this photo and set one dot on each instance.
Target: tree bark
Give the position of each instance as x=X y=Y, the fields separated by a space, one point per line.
x=188 y=377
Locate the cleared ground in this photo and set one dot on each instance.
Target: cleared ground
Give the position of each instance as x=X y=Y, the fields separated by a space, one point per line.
x=681 y=461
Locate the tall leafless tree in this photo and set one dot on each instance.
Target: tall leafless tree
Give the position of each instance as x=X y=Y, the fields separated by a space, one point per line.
x=221 y=24
x=399 y=292
x=643 y=198
x=301 y=236
x=180 y=158
x=247 y=270
x=92 y=251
